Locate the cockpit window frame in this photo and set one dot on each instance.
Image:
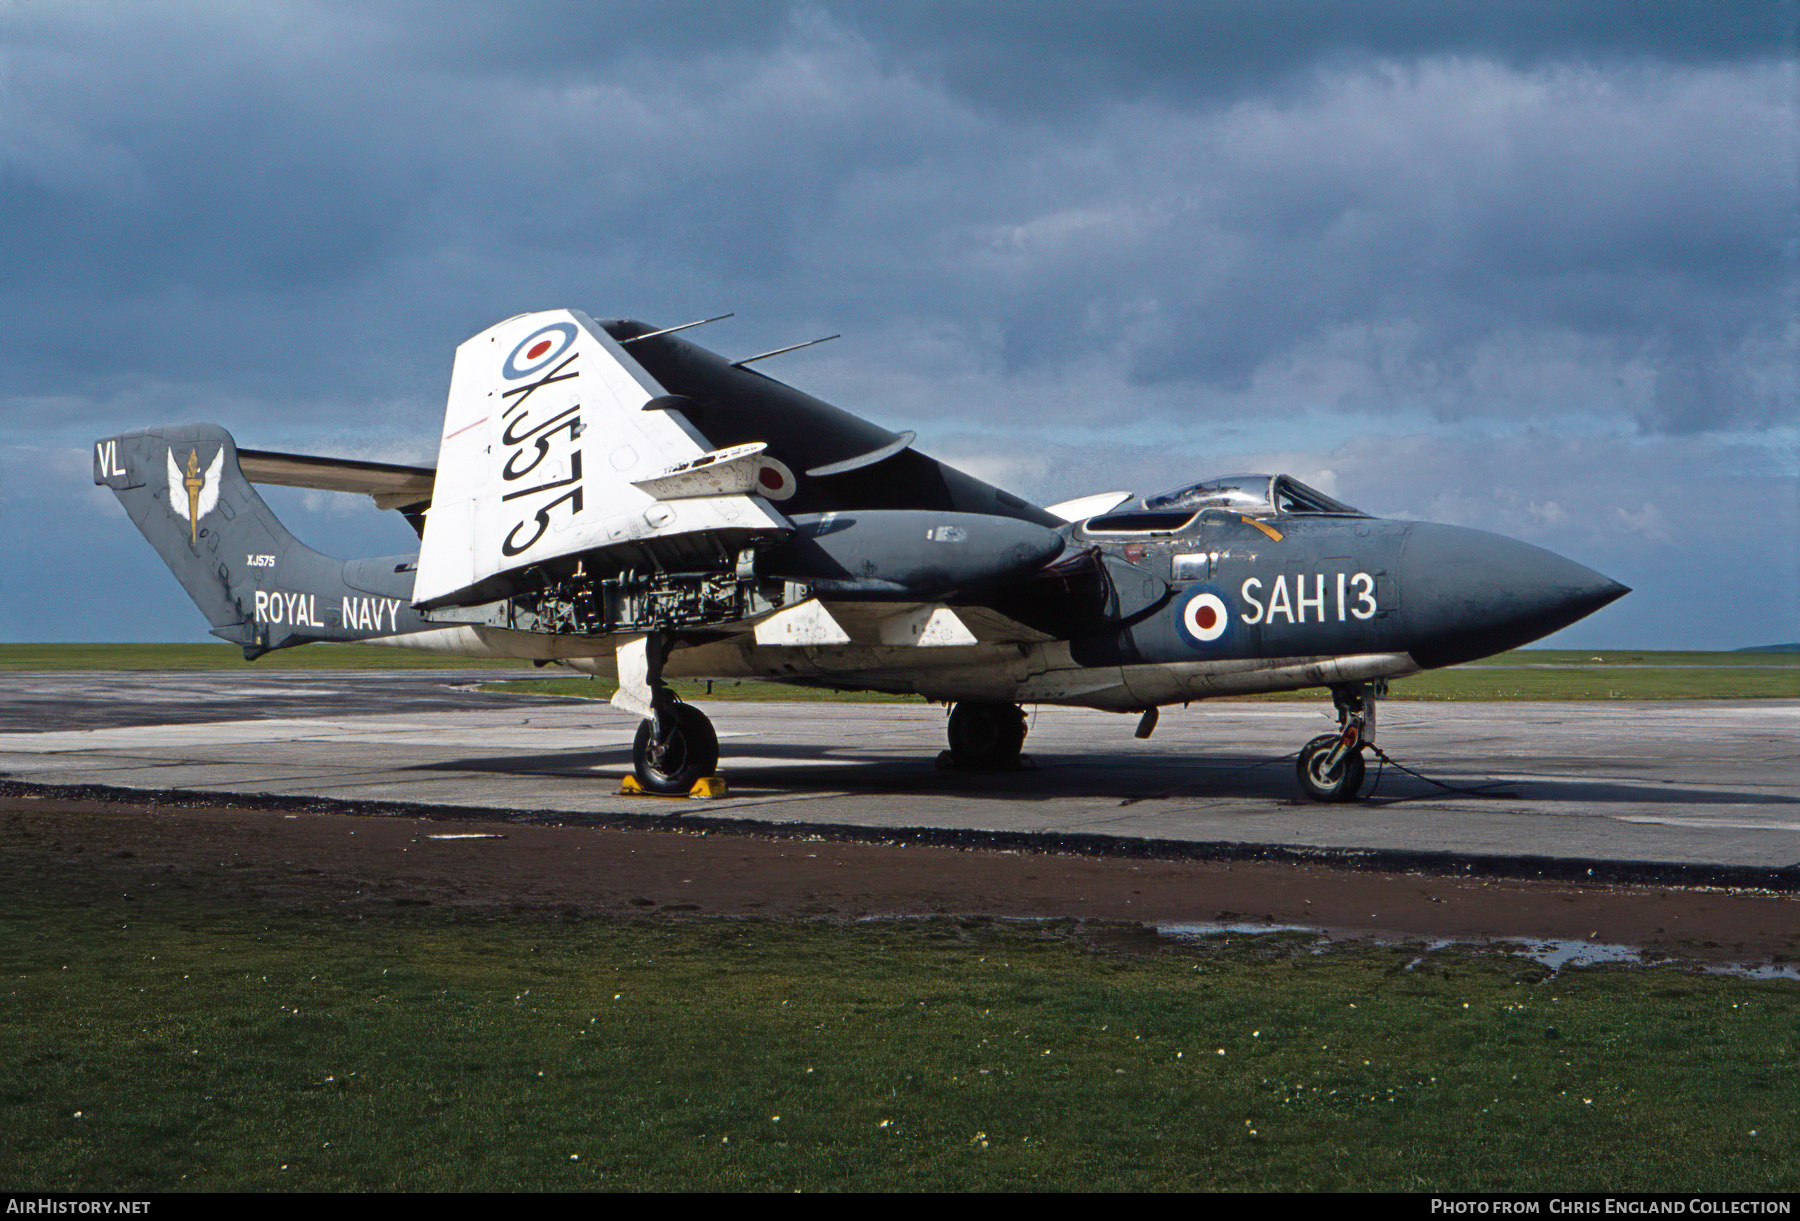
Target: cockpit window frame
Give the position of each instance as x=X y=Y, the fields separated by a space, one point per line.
x=1237 y=493
x=1322 y=505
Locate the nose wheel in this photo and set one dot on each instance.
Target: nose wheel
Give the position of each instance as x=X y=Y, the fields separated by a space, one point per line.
x=1328 y=771
x=1331 y=766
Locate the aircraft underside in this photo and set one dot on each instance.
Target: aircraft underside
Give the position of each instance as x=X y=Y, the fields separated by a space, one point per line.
x=1011 y=673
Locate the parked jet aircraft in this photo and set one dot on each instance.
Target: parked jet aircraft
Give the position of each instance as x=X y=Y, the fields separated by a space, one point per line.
x=614 y=498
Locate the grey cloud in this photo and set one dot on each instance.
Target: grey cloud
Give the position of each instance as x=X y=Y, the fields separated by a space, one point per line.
x=271 y=207
x=1059 y=57
x=1423 y=199
x=1035 y=49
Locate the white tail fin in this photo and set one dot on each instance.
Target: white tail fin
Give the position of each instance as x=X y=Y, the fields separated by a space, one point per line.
x=545 y=437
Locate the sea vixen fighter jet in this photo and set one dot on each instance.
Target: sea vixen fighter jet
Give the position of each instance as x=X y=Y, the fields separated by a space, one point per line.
x=612 y=497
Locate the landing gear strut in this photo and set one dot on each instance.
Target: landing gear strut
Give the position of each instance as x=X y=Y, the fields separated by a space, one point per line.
x=986 y=737
x=675 y=745
x=1331 y=766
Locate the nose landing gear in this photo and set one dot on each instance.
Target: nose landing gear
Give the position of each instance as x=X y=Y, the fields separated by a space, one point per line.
x=1331 y=766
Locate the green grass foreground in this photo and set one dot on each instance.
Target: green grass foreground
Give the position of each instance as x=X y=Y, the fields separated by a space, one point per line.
x=1560 y=674
x=1523 y=674
x=181 y=1038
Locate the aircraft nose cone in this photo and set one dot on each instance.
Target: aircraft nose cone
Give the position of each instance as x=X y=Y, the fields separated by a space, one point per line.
x=1468 y=594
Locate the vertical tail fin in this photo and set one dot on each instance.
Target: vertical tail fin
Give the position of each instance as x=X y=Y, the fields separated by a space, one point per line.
x=257 y=584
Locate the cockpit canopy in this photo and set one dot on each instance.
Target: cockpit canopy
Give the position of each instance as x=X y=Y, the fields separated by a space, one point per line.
x=1252 y=496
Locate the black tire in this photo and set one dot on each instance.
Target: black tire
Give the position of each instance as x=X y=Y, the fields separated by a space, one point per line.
x=1345 y=784
x=691 y=752
x=986 y=736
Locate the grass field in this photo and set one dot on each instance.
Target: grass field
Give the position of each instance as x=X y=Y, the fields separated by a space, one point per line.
x=1524 y=674
x=1647 y=678
x=230 y=657
x=175 y=1036
x=1554 y=674
x=1527 y=674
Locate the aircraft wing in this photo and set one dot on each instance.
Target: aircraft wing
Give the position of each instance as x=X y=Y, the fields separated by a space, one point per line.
x=554 y=449
x=817 y=458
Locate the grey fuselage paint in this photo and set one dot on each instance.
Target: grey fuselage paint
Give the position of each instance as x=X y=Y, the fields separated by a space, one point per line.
x=1318 y=585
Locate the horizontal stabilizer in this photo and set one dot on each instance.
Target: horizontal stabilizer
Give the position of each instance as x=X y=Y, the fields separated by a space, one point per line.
x=392 y=486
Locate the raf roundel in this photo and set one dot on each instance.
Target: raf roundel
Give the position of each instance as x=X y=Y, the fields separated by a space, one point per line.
x=775 y=480
x=538 y=349
x=1204 y=618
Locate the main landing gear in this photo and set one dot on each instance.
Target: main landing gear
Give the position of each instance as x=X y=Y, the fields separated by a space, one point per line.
x=1331 y=766
x=676 y=745
x=674 y=750
x=986 y=737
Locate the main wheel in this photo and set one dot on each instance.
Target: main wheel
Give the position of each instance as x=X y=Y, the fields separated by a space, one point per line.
x=1341 y=783
x=672 y=766
x=986 y=735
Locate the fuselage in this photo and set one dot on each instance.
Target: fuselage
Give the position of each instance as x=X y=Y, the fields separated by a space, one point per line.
x=1164 y=608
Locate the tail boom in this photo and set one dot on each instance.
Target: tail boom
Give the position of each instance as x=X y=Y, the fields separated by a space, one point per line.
x=258 y=585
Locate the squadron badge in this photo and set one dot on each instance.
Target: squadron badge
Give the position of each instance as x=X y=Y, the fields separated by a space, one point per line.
x=192 y=495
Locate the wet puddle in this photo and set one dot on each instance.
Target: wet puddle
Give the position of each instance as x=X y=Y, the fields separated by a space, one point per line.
x=1554 y=954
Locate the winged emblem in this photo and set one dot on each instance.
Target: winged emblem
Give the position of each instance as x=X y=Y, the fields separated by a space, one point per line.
x=191 y=494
